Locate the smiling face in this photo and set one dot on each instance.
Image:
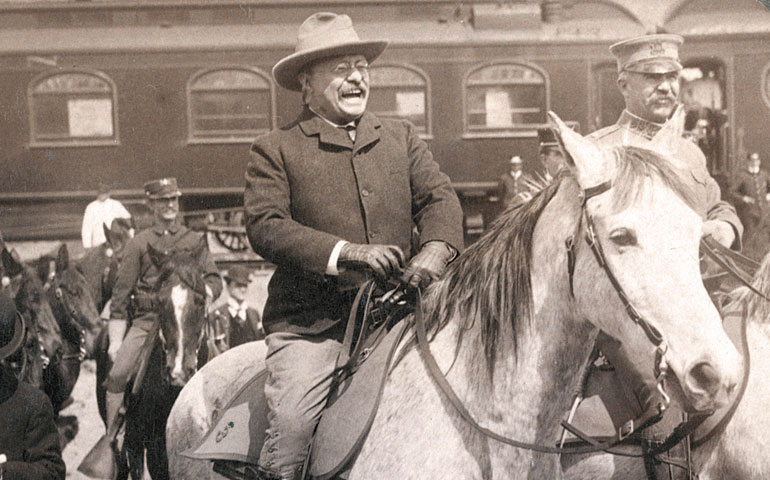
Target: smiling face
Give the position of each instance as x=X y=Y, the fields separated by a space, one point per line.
x=337 y=88
x=651 y=96
x=165 y=209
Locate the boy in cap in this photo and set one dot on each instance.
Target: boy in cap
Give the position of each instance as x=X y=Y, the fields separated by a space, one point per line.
x=331 y=198
x=99 y=213
x=29 y=440
x=751 y=192
x=235 y=322
x=134 y=285
x=648 y=78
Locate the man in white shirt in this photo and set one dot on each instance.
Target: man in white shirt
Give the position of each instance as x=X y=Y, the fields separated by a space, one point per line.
x=100 y=212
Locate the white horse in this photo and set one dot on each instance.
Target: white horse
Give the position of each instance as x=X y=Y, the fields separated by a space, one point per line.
x=503 y=318
x=740 y=452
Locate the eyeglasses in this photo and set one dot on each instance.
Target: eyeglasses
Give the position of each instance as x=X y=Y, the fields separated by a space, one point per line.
x=345 y=69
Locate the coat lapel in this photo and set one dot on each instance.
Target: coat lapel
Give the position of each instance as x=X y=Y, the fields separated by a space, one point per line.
x=367 y=131
x=314 y=125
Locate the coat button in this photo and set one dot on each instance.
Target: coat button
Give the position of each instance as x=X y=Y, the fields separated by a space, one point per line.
x=365 y=193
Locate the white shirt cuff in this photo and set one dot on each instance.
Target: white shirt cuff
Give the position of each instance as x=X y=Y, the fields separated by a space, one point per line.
x=331 y=266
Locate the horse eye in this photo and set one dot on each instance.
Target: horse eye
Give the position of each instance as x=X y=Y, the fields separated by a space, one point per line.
x=623 y=237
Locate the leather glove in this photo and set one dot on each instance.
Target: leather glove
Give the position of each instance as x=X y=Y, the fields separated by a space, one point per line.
x=384 y=260
x=720 y=231
x=428 y=264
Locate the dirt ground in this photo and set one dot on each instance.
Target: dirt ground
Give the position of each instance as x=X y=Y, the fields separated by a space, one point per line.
x=82 y=415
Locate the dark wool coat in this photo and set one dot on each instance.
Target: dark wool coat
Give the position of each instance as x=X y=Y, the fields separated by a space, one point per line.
x=309 y=186
x=28 y=435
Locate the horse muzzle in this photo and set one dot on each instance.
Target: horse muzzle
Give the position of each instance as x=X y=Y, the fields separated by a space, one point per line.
x=706 y=387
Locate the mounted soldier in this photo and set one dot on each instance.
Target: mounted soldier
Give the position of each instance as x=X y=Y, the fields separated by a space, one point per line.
x=649 y=79
x=330 y=198
x=133 y=297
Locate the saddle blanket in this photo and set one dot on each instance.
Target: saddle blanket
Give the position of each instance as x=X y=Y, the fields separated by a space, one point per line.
x=239 y=432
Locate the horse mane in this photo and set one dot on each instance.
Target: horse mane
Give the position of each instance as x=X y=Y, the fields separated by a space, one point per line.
x=491 y=281
x=757 y=307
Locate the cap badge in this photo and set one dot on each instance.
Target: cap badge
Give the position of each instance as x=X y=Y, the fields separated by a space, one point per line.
x=656 y=49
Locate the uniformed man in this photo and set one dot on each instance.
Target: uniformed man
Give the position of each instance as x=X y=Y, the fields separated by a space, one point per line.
x=751 y=192
x=648 y=78
x=550 y=153
x=136 y=278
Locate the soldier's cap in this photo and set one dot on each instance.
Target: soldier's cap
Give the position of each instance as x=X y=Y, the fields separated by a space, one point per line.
x=516 y=160
x=658 y=53
x=237 y=274
x=162 y=188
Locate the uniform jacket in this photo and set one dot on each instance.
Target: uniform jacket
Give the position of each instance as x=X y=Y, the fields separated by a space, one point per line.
x=756 y=186
x=309 y=186
x=137 y=274
x=694 y=173
x=28 y=435
x=230 y=330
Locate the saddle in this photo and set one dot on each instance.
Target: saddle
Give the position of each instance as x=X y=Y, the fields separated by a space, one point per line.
x=235 y=440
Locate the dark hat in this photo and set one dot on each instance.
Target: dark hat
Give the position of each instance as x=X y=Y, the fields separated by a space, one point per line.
x=238 y=274
x=162 y=188
x=323 y=35
x=11 y=327
x=546 y=137
x=658 y=53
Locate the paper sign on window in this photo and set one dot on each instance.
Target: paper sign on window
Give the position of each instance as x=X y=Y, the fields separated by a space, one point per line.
x=90 y=117
x=497 y=105
x=410 y=103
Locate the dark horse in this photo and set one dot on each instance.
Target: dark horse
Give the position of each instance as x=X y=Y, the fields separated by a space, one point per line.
x=181 y=299
x=75 y=310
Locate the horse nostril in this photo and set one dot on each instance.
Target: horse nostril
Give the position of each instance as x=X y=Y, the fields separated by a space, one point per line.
x=703 y=376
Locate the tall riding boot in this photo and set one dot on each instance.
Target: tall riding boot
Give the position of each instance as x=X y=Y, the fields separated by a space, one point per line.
x=100 y=461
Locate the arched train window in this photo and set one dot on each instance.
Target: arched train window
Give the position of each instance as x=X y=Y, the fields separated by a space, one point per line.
x=229 y=105
x=501 y=98
x=73 y=108
x=401 y=91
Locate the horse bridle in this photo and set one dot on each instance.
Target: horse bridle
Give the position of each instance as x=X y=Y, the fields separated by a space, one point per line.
x=55 y=282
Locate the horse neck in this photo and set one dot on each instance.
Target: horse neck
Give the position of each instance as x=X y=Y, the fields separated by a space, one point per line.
x=529 y=390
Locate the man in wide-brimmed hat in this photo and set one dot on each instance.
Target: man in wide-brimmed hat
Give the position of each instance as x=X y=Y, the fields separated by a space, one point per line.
x=28 y=436
x=331 y=199
x=133 y=293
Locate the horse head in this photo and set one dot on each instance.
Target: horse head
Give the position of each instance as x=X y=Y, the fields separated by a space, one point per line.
x=639 y=226
x=71 y=299
x=181 y=294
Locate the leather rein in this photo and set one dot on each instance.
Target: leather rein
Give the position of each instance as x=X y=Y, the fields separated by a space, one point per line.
x=652 y=333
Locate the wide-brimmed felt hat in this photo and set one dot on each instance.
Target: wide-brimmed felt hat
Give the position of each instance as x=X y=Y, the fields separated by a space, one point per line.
x=238 y=274
x=323 y=35
x=11 y=327
x=162 y=188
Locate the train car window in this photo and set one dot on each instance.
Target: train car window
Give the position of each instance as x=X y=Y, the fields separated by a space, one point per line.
x=72 y=108
x=401 y=91
x=229 y=105
x=703 y=94
x=503 y=98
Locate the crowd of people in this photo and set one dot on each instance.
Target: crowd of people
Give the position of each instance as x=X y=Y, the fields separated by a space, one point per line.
x=332 y=199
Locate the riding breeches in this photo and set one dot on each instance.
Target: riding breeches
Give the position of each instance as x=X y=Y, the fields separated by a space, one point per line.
x=299 y=378
x=127 y=357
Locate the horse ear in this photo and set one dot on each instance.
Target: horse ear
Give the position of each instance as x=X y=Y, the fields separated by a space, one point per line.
x=666 y=141
x=107 y=233
x=157 y=257
x=593 y=164
x=11 y=263
x=62 y=258
x=202 y=248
